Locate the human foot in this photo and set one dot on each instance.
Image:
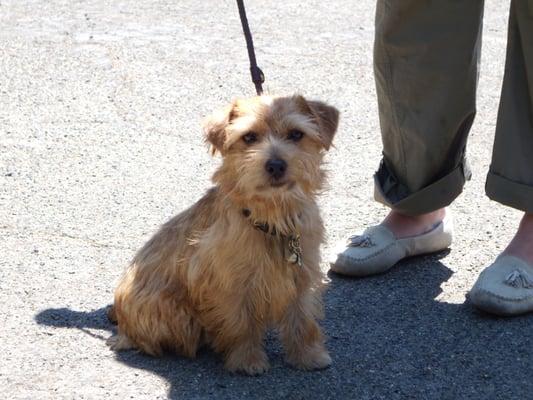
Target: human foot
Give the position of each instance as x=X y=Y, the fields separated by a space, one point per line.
x=506 y=286
x=398 y=236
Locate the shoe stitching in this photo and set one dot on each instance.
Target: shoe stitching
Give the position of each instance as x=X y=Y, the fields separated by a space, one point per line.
x=506 y=298
x=377 y=253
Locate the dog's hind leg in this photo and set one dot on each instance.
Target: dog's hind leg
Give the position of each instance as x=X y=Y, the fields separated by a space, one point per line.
x=120 y=342
x=164 y=323
x=184 y=333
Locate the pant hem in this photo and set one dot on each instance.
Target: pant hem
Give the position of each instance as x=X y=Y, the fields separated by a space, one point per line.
x=509 y=193
x=430 y=198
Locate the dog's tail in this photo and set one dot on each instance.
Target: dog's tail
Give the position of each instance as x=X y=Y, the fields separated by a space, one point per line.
x=111 y=314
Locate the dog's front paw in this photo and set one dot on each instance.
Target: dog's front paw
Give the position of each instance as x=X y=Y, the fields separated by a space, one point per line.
x=249 y=363
x=313 y=358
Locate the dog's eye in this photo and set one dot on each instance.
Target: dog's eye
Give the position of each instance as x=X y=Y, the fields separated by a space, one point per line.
x=295 y=135
x=250 y=137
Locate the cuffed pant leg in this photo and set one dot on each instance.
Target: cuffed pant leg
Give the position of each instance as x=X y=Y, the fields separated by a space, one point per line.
x=426 y=56
x=510 y=178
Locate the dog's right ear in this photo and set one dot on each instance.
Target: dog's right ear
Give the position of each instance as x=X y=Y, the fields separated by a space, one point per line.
x=328 y=120
x=215 y=128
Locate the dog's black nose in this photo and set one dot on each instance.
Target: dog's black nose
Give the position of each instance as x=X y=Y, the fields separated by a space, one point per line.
x=276 y=168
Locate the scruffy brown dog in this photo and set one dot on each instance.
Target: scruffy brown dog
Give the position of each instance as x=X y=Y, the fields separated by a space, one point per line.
x=246 y=256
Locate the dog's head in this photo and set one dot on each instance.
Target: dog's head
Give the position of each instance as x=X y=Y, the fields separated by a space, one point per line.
x=272 y=147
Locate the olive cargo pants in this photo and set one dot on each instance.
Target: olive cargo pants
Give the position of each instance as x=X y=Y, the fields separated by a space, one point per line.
x=426 y=56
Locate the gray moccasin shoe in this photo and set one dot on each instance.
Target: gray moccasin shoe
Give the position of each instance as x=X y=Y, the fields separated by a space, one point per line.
x=377 y=250
x=504 y=288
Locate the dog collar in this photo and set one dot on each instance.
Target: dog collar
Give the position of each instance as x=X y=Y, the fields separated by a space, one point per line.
x=292 y=247
x=262 y=226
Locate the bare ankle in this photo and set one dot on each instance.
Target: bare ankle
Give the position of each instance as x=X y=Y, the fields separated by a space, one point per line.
x=404 y=225
x=520 y=245
x=433 y=215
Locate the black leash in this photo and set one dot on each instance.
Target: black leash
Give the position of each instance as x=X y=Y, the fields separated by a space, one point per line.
x=258 y=78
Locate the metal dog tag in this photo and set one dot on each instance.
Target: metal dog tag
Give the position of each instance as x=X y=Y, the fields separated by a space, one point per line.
x=295 y=250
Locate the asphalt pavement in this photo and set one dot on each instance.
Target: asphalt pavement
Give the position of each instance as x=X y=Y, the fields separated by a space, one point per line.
x=100 y=110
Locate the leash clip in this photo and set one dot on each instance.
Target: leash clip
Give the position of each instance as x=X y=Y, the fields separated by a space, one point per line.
x=257 y=74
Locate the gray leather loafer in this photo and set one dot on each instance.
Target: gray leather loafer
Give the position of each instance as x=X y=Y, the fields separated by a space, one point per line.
x=504 y=288
x=377 y=250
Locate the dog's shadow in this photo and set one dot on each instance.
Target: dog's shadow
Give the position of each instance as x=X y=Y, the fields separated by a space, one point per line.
x=388 y=336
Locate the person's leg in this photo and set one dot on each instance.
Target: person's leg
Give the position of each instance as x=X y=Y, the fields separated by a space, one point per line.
x=426 y=57
x=506 y=287
x=426 y=67
x=510 y=179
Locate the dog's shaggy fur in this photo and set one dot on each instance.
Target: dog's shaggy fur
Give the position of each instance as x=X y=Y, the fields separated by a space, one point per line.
x=209 y=276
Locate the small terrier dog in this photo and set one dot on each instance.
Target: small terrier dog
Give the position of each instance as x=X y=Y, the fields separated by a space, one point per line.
x=246 y=256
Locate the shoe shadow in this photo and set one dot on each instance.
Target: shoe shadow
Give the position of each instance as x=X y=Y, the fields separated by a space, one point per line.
x=389 y=339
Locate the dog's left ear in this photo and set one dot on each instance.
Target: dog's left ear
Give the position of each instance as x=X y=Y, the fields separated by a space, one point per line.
x=215 y=128
x=328 y=120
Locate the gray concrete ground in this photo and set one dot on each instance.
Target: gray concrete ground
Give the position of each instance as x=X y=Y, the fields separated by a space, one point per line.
x=100 y=104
